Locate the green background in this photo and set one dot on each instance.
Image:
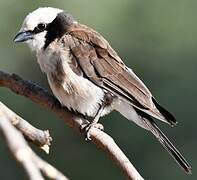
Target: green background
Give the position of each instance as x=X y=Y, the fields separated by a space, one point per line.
x=158 y=40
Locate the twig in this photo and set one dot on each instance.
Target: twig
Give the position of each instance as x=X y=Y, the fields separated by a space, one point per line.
x=47 y=169
x=24 y=154
x=44 y=98
x=38 y=137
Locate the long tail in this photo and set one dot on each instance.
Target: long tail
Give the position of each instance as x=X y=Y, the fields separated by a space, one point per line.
x=153 y=128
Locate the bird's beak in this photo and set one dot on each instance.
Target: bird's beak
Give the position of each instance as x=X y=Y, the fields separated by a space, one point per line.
x=23 y=36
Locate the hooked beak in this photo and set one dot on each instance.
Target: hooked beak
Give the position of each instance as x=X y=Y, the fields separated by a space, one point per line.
x=23 y=36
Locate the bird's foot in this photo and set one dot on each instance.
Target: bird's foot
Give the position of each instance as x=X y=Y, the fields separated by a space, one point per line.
x=88 y=128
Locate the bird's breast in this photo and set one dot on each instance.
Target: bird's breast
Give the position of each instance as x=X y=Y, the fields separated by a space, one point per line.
x=76 y=93
x=73 y=91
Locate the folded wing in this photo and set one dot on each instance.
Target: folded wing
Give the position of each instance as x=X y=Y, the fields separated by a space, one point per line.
x=101 y=65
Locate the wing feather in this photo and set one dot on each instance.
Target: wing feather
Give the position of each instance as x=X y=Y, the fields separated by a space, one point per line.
x=101 y=65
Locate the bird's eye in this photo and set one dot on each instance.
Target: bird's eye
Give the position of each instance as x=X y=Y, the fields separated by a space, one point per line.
x=41 y=27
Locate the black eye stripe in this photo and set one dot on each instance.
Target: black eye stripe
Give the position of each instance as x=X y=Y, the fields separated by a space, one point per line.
x=40 y=28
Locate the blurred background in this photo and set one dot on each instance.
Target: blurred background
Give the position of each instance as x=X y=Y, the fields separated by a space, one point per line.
x=158 y=40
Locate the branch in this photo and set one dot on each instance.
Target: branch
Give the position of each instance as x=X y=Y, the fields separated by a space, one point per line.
x=24 y=154
x=39 y=137
x=42 y=97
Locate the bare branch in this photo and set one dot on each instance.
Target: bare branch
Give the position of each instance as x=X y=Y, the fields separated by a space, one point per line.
x=24 y=154
x=38 y=137
x=47 y=169
x=44 y=98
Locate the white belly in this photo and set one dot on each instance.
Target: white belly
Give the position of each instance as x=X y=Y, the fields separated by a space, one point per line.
x=83 y=97
x=73 y=91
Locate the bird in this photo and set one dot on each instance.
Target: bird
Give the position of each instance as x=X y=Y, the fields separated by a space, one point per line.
x=87 y=76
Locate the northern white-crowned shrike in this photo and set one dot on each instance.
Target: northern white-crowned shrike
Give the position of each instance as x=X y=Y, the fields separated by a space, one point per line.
x=87 y=75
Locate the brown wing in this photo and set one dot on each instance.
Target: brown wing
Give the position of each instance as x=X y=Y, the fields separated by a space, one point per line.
x=100 y=61
x=101 y=64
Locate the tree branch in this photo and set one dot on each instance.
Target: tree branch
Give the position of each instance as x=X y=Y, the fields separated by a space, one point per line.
x=42 y=97
x=38 y=137
x=24 y=154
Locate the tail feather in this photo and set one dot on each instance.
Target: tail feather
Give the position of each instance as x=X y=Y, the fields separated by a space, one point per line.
x=168 y=145
x=167 y=115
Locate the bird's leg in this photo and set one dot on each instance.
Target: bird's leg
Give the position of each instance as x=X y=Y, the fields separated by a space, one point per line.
x=94 y=123
x=107 y=101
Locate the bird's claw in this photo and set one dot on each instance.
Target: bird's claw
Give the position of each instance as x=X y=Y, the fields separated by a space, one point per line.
x=88 y=129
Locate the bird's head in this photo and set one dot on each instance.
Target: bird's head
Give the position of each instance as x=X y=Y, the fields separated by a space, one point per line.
x=42 y=26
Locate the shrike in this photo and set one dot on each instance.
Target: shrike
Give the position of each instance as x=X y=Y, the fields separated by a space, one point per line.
x=87 y=75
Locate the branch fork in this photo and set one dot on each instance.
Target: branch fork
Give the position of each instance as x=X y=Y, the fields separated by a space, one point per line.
x=40 y=96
